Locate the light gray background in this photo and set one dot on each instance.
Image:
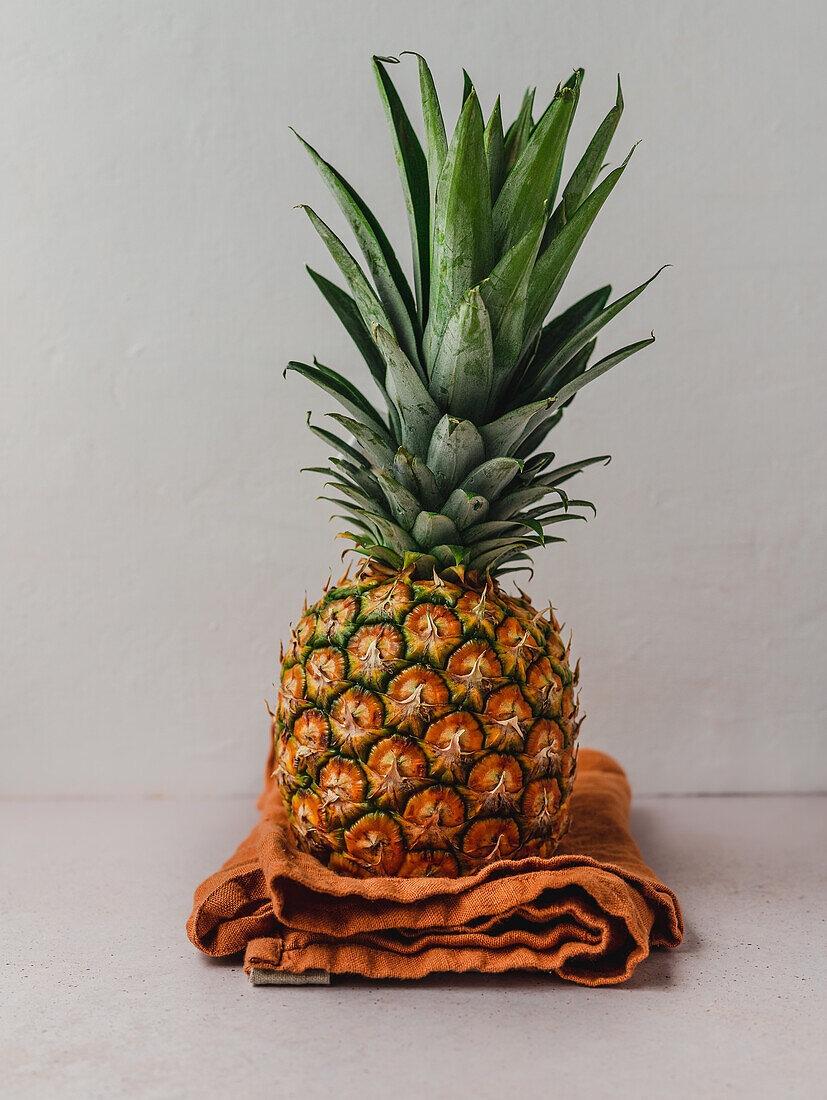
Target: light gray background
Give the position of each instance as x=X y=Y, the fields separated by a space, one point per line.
x=157 y=537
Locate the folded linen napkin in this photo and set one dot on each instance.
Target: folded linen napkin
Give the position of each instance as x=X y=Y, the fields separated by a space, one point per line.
x=590 y=913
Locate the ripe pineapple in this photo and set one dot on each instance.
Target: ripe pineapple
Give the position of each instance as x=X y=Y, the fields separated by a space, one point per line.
x=427 y=720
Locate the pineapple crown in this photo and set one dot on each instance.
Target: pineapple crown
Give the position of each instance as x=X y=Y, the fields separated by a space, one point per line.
x=472 y=380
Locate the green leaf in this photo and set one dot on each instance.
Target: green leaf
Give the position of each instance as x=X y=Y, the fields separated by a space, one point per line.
x=543 y=423
x=568 y=391
x=403 y=504
x=574 y=368
x=348 y=313
x=563 y=473
x=555 y=261
x=326 y=470
x=413 y=172
x=448 y=555
x=584 y=176
x=501 y=572
x=394 y=292
x=543 y=510
x=417 y=478
x=432 y=528
x=533 y=467
x=370 y=504
x=461 y=232
x=571 y=320
x=350 y=474
x=481 y=549
x=390 y=534
x=337 y=444
x=464 y=508
x=461 y=375
x=334 y=376
x=504 y=293
x=373 y=445
x=489 y=558
x=536 y=435
x=563 y=517
x=497 y=568
x=345 y=393
x=529 y=183
x=513 y=503
x=519 y=131
x=573 y=82
x=494 y=143
x=467 y=85
x=531 y=524
x=357 y=474
x=422 y=561
x=380 y=553
x=480 y=532
x=489 y=479
x=552 y=337
x=436 y=143
x=582 y=337
x=368 y=304
x=504 y=435
x=359 y=524
x=350 y=516
x=455 y=449
x=418 y=412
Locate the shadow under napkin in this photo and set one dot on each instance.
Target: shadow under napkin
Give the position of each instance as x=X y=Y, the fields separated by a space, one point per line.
x=590 y=914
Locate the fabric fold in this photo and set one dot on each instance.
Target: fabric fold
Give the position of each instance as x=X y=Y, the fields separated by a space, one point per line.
x=591 y=913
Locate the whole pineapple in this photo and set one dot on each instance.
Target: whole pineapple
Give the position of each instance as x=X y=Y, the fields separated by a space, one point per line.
x=427 y=721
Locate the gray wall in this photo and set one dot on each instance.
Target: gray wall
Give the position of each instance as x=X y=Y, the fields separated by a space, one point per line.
x=157 y=536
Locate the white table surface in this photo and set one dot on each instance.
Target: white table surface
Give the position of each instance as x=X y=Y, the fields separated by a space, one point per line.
x=102 y=995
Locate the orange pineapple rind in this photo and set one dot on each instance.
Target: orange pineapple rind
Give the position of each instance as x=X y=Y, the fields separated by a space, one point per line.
x=425 y=727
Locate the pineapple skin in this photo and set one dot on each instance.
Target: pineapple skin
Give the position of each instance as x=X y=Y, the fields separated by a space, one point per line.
x=425 y=727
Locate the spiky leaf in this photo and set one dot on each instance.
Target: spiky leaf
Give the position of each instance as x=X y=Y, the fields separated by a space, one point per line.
x=432 y=528
x=394 y=292
x=585 y=174
x=409 y=471
x=583 y=335
x=570 y=389
x=505 y=293
x=348 y=313
x=417 y=410
x=495 y=150
x=373 y=445
x=554 y=263
x=462 y=373
x=436 y=142
x=337 y=444
x=464 y=508
x=368 y=304
x=413 y=173
x=552 y=337
x=345 y=393
x=519 y=131
x=461 y=232
x=529 y=183
x=456 y=448
x=403 y=504
x=489 y=479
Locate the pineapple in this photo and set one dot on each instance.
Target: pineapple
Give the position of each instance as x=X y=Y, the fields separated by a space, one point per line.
x=427 y=720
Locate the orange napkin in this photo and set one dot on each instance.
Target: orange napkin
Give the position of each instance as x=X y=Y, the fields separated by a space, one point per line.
x=590 y=914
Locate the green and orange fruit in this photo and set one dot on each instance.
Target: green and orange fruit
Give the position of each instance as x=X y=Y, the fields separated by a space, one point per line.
x=427 y=720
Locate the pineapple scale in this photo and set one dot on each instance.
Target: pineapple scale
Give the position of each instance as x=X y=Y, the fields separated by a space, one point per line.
x=425 y=727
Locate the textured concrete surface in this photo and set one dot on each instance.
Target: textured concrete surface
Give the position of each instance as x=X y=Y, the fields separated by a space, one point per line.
x=157 y=535
x=102 y=996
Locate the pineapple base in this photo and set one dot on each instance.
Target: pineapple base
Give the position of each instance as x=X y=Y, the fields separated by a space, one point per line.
x=425 y=726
